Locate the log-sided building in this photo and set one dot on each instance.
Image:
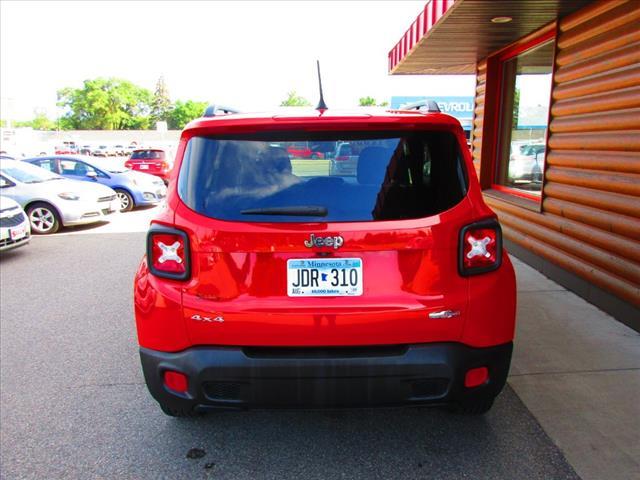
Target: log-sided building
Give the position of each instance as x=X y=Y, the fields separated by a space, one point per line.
x=556 y=130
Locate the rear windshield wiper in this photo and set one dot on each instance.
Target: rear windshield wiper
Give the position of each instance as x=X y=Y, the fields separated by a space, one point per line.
x=300 y=211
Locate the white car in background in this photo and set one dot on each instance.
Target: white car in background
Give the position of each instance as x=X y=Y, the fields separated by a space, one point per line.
x=120 y=150
x=52 y=201
x=14 y=225
x=103 y=151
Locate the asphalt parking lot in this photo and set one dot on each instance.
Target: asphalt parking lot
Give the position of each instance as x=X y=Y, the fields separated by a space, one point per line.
x=74 y=404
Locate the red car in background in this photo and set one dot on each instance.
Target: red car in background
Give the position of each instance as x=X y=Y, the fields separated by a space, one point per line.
x=66 y=148
x=303 y=150
x=154 y=161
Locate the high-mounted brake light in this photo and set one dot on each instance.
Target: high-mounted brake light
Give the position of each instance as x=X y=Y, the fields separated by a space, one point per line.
x=168 y=252
x=480 y=247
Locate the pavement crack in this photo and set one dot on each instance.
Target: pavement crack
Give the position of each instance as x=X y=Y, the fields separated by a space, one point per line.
x=116 y=384
x=543 y=291
x=567 y=372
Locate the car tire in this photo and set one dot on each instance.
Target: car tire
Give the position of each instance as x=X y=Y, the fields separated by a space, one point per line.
x=44 y=219
x=179 y=412
x=314 y=156
x=126 y=200
x=478 y=407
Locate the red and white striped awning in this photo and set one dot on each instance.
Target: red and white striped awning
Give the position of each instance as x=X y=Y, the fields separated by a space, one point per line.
x=433 y=11
x=451 y=36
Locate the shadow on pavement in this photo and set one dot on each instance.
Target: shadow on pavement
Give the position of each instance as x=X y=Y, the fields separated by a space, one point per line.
x=82 y=228
x=13 y=255
x=369 y=443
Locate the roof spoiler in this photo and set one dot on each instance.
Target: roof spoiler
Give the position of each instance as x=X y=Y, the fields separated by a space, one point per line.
x=426 y=105
x=214 y=110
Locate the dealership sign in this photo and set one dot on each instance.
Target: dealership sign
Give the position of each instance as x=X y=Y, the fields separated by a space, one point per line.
x=459 y=107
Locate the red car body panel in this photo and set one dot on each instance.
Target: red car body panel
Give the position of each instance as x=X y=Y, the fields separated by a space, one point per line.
x=410 y=267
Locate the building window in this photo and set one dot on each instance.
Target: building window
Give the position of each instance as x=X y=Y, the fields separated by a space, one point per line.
x=524 y=114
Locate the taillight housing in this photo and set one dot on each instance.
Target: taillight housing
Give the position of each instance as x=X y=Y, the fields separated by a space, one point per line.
x=480 y=247
x=128 y=164
x=342 y=158
x=168 y=253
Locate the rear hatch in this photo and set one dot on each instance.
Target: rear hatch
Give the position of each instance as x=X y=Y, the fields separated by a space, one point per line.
x=148 y=161
x=284 y=252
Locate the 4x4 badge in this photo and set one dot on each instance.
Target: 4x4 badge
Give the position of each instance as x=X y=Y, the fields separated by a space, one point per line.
x=335 y=242
x=198 y=318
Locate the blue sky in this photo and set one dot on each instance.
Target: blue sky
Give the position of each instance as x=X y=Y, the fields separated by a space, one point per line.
x=246 y=54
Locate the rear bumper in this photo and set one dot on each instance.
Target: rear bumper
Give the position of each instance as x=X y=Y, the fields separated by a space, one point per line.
x=83 y=212
x=233 y=377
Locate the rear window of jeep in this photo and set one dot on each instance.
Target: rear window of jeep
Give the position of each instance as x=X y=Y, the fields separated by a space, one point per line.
x=362 y=176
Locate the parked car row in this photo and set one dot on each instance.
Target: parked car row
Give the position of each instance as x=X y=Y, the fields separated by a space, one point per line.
x=101 y=150
x=153 y=161
x=68 y=190
x=133 y=188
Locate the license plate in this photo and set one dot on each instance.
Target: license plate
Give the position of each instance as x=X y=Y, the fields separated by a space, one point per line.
x=324 y=277
x=18 y=232
x=144 y=167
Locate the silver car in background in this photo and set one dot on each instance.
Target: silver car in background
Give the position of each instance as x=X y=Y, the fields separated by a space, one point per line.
x=526 y=162
x=52 y=201
x=344 y=162
x=14 y=226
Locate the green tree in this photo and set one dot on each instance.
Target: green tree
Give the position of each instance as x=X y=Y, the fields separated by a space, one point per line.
x=39 y=122
x=106 y=104
x=161 y=103
x=367 y=102
x=294 y=100
x=516 y=108
x=183 y=112
x=371 y=102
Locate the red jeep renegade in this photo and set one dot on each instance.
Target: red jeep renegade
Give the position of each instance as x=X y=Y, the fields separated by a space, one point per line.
x=272 y=283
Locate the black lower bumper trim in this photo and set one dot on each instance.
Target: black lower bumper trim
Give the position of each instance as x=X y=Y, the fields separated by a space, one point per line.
x=229 y=377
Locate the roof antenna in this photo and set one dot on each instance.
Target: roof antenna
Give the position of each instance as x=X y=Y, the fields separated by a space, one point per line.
x=321 y=105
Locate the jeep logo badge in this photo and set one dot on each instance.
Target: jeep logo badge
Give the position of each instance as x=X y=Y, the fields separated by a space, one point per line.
x=335 y=242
